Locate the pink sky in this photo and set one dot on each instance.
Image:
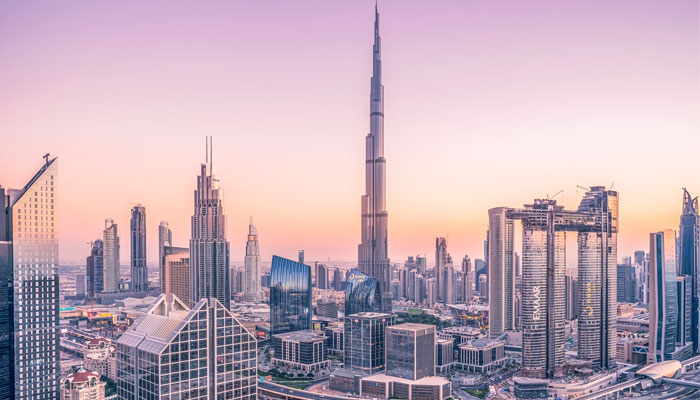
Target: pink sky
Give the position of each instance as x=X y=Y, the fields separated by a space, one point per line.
x=487 y=104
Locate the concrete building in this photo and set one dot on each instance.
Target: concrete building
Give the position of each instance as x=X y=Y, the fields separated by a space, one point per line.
x=176 y=272
x=482 y=355
x=29 y=298
x=110 y=238
x=139 y=270
x=373 y=250
x=209 y=248
x=198 y=353
x=410 y=350
x=304 y=350
x=365 y=341
x=252 y=287
x=165 y=238
x=83 y=385
x=100 y=356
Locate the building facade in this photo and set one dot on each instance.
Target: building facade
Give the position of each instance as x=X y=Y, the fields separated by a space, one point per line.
x=29 y=298
x=176 y=272
x=410 y=350
x=253 y=290
x=94 y=277
x=165 y=238
x=290 y=296
x=83 y=385
x=365 y=341
x=482 y=356
x=209 y=249
x=362 y=293
x=663 y=301
x=689 y=260
x=101 y=356
x=173 y=351
x=110 y=237
x=373 y=250
x=304 y=350
x=502 y=282
x=139 y=270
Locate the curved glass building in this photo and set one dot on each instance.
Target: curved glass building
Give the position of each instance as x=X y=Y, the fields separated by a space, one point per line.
x=290 y=296
x=362 y=293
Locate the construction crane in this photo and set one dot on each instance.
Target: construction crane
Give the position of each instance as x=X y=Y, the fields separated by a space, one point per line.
x=555 y=195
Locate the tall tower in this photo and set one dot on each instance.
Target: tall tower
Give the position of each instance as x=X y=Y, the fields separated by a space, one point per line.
x=29 y=328
x=165 y=238
x=689 y=260
x=440 y=264
x=111 y=257
x=663 y=301
x=501 y=272
x=373 y=254
x=467 y=279
x=139 y=270
x=209 y=249
x=253 y=292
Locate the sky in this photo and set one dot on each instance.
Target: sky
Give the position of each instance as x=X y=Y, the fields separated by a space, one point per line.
x=487 y=103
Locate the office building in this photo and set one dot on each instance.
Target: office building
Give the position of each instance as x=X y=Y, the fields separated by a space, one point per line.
x=365 y=341
x=290 y=296
x=626 y=284
x=689 y=260
x=362 y=293
x=209 y=249
x=94 y=278
x=139 y=270
x=383 y=386
x=410 y=350
x=176 y=270
x=444 y=355
x=321 y=276
x=663 y=301
x=683 y=328
x=467 y=280
x=304 y=350
x=110 y=238
x=253 y=290
x=482 y=356
x=501 y=273
x=327 y=308
x=173 y=351
x=165 y=238
x=83 y=385
x=29 y=298
x=373 y=250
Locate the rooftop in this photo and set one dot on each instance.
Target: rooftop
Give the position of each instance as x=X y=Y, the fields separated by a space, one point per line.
x=427 y=380
x=409 y=326
x=370 y=315
x=302 y=336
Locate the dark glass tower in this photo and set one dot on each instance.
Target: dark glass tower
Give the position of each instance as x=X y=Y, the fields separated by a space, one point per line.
x=139 y=271
x=689 y=246
x=290 y=296
x=95 y=269
x=362 y=293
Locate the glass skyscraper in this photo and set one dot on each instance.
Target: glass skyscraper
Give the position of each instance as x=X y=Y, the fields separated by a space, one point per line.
x=29 y=328
x=362 y=293
x=95 y=269
x=410 y=351
x=165 y=238
x=364 y=341
x=290 y=296
x=111 y=257
x=689 y=259
x=502 y=282
x=663 y=302
x=139 y=271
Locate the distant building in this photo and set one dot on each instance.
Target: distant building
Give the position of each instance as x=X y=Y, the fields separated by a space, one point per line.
x=689 y=260
x=337 y=280
x=365 y=341
x=176 y=272
x=501 y=272
x=100 y=356
x=83 y=385
x=290 y=296
x=444 y=351
x=571 y=298
x=483 y=286
x=321 y=276
x=111 y=257
x=165 y=238
x=94 y=278
x=442 y=260
x=335 y=335
x=626 y=284
x=139 y=270
x=253 y=290
x=410 y=350
x=362 y=293
x=303 y=350
x=467 y=280
x=151 y=354
x=327 y=308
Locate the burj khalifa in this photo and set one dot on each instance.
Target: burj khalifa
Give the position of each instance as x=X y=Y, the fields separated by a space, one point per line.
x=373 y=258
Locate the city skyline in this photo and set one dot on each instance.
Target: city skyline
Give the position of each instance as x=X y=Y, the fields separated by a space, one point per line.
x=473 y=113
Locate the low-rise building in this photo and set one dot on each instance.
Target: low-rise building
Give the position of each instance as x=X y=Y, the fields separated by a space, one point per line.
x=383 y=386
x=100 y=356
x=482 y=355
x=444 y=355
x=83 y=385
x=334 y=341
x=305 y=350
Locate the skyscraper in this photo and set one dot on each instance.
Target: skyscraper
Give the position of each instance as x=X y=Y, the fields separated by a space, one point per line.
x=362 y=293
x=176 y=272
x=29 y=326
x=290 y=296
x=442 y=259
x=209 y=249
x=253 y=290
x=139 y=270
x=165 y=238
x=467 y=276
x=364 y=341
x=321 y=275
x=689 y=260
x=373 y=253
x=410 y=350
x=95 y=269
x=111 y=257
x=501 y=272
x=663 y=301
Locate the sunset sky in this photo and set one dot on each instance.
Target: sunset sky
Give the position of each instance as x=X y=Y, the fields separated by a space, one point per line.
x=487 y=103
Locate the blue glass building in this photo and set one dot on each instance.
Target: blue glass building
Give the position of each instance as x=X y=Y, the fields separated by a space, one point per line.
x=689 y=257
x=362 y=293
x=290 y=296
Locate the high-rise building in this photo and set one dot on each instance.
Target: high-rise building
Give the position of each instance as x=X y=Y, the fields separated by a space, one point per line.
x=290 y=296
x=176 y=272
x=480 y=269
x=689 y=260
x=253 y=290
x=626 y=284
x=362 y=293
x=441 y=257
x=165 y=238
x=173 y=351
x=663 y=301
x=29 y=302
x=467 y=279
x=571 y=297
x=365 y=341
x=683 y=328
x=301 y=257
x=337 y=280
x=139 y=270
x=111 y=257
x=80 y=284
x=483 y=286
x=321 y=276
x=410 y=351
x=501 y=272
x=95 y=269
x=209 y=249
x=373 y=250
